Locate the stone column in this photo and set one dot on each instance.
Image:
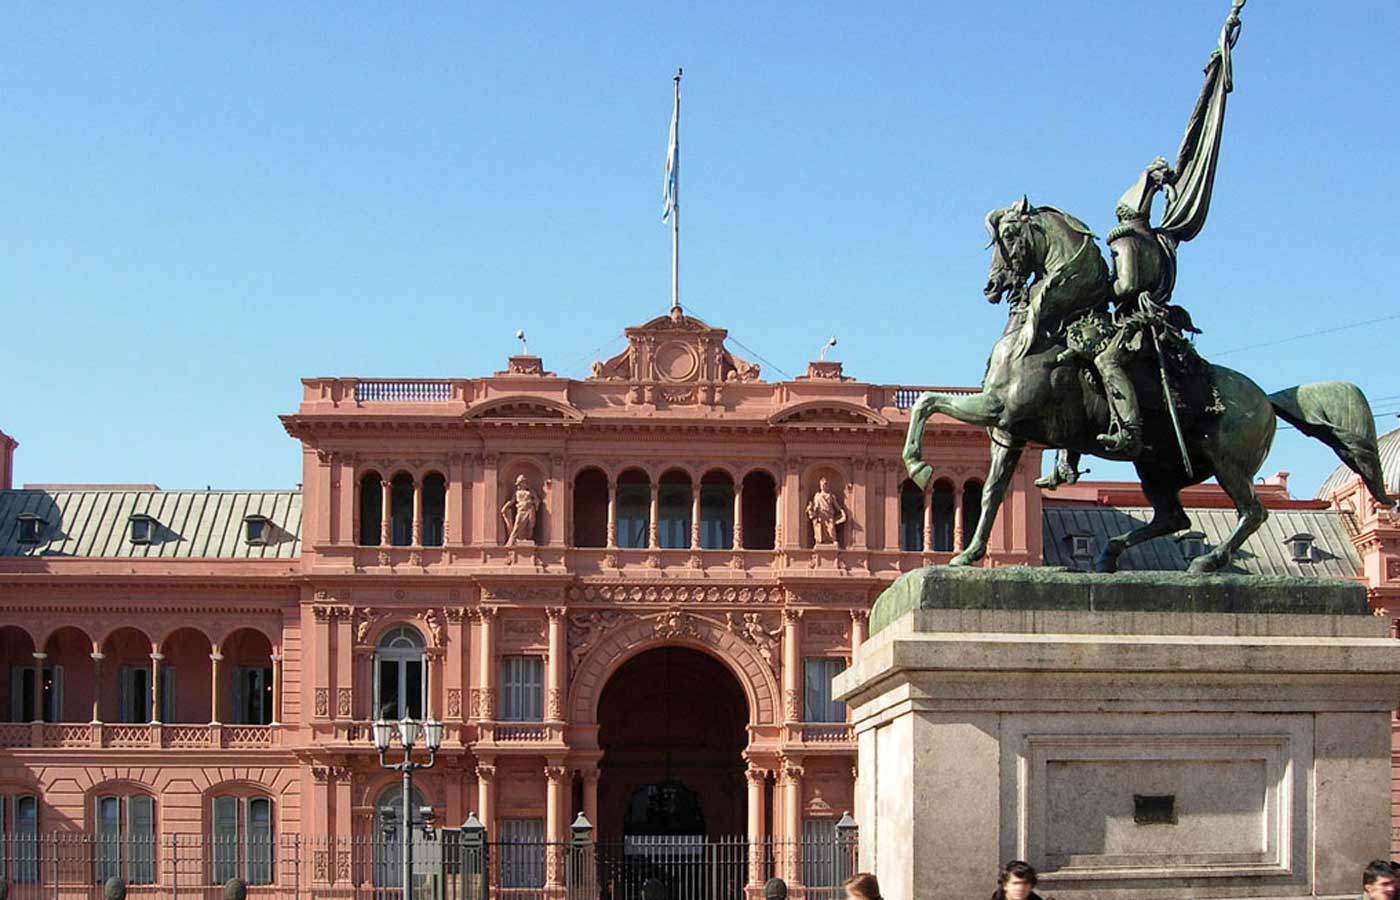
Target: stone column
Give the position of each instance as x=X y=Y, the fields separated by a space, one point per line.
x=487 y=672
x=928 y=521
x=214 y=659
x=486 y=797
x=892 y=485
x=695 y=515
x=554 y=822
x=156 y=657
x=612 y=517
x=386 y=524
x=738 y=540
x=655 y=507
x=97 y=657
x=957 y=522
x=557 y=666
x=417 y=539
x=276 y=689
x=757 y=783
x=792 y=666
x=859 y=617
x=39 y=658
x=792 y=819
x=590 y=794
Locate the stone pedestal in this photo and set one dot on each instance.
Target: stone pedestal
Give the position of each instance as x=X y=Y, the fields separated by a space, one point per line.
x=1150 y=735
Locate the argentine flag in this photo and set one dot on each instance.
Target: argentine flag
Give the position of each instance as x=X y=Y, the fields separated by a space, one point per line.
x=671 y=193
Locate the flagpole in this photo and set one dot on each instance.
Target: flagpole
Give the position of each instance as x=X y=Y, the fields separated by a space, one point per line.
x=676 y=213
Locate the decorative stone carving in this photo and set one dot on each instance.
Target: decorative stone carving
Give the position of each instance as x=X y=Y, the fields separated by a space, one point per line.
x=668 y=594
x=430 y=620
x=486 y=703
x=322 y=707
x=342 y=865
x=520 y=513
x=342 y=702
x=792 y=706
x=586 y=628
x=752 y=629
x=366 y=616
x=817 y=805
x=554 y=705
x=673 y=624
x=485 y=772
x=1392 y=569
x=454 y=703
x=827 y=513
x=320 y=865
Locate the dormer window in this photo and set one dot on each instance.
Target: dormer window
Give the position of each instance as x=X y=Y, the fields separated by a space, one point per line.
x=143 y=529
x=1301 y=547
x=1193 y=544
x=31 y=527
x=1081 y=546
x=257 y=530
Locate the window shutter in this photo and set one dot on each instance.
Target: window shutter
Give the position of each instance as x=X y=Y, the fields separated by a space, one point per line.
x=141 y=834
x=536 y=665
x=167 y=693
x=225 y=839
x=16 y=693
x=239 y=675
x=125 y=678
x=260 y=841
x=56 y=695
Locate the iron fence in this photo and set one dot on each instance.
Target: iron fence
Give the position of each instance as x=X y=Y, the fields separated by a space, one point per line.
x=448 y=864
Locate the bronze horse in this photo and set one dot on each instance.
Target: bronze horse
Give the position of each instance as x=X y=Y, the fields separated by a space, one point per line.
x=1046 y=263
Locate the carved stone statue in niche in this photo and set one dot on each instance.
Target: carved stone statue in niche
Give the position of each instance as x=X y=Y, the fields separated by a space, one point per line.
x=827 y=513
x=521 y=513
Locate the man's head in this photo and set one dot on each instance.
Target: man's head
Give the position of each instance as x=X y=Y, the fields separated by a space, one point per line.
x=1378 y=880
x=1018 y=879
x=823 y=482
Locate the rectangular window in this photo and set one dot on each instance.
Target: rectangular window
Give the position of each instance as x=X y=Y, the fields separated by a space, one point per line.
x=631 y=532
x=141 y=837
x=225 y=839
x=125 y=839
x=24 y=847
x=252 y=695
x=522 y=694
x=109 y=827
x=22 y=693
x=135 y=694
x=522 y=853
x=260 y=841
x=816 y=679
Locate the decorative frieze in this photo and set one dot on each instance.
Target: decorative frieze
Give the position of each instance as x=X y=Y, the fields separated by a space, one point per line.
x=668 y=594
x=454 y=703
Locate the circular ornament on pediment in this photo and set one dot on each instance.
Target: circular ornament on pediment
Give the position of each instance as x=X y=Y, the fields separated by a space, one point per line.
x=675 y=361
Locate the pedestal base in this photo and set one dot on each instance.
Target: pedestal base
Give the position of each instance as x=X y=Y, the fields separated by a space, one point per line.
x=1159 y=736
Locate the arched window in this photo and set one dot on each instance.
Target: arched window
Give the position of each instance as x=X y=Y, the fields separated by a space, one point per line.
x=972 y=510
x=401 y=510
x=19 y=838
x=388 y=837
x=911 y=517
x=591 y=509
x=242 y=834
x=399 y=666
x=673 y=509
x=371 y=509
x=716 y=511
x=633 y=508
x=943 y=516
x=760 y=511
x=434 y=510
x=125 y=838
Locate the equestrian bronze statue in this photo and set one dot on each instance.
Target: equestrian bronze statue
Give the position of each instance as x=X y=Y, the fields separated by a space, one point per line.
x=1102 y=362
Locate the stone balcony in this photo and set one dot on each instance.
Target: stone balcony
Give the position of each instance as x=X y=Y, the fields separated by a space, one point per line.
x=83 y=735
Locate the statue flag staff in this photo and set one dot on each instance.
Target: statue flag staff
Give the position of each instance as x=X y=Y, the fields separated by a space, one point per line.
x=671 y=196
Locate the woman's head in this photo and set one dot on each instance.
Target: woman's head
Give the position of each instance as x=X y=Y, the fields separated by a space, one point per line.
x=862 y=886
x=1017 y=880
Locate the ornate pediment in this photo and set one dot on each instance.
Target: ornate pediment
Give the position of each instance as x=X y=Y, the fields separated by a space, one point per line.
x=840 y=413
x=523 y=407
x=673 y=351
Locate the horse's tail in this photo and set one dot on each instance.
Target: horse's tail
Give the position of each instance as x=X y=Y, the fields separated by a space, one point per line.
x=1336 y=413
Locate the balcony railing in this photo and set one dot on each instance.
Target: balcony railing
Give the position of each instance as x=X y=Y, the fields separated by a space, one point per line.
x=835 y=733
x=403 y=391
x=140 y=735
x=523 y=733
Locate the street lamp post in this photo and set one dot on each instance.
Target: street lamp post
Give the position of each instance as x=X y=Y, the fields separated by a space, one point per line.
x=409 y=732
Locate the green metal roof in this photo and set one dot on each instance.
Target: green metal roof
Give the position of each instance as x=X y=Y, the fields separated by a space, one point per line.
x=1265 y=553
x=95 y=523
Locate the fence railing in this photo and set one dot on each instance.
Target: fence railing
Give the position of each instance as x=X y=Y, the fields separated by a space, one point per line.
x=448 y=864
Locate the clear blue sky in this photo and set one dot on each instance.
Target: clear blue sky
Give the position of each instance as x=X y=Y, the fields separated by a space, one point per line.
x=204 y=203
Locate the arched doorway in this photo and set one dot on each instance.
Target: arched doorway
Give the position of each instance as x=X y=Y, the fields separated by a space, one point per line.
x=672 y=723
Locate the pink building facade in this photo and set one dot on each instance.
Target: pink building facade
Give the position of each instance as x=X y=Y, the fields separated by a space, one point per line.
x=624 y=596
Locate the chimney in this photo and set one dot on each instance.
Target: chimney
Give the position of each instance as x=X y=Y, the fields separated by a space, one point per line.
x=7 y=461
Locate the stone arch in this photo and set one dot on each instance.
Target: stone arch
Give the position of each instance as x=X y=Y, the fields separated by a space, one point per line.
x=696 y=632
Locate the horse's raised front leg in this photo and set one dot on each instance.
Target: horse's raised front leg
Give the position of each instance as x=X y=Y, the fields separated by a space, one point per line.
x=1006 y=452
x=975 y=409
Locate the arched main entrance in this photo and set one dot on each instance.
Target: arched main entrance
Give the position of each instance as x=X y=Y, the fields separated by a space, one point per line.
x=672 y=723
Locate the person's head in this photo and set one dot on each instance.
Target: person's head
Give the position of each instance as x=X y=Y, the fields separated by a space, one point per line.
x=1017 y=880
x=861 y=886
x=823 y=482
x=1378 y=880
